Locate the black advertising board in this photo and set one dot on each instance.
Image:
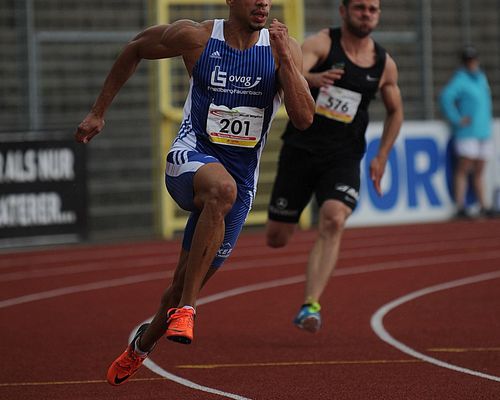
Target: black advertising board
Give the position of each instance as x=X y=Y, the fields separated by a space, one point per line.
x=42 y=191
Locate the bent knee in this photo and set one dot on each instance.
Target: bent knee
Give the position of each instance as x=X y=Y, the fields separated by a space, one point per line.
x=276 y=241
x=278 y=235
x=224 y=193
x=221 y=197
x=333 y=218
x=334 y=223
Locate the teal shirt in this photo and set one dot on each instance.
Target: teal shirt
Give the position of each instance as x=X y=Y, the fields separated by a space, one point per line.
x=468 y=94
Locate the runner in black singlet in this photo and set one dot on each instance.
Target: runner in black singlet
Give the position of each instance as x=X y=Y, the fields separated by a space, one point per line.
x=345 y=68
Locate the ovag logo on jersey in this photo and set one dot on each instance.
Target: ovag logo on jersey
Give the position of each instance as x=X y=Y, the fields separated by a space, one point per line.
x=220 y=78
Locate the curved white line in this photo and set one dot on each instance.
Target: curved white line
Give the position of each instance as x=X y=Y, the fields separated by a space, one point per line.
x=149 y=363
x=192 y=385
x=233 y=292
x=378 y=326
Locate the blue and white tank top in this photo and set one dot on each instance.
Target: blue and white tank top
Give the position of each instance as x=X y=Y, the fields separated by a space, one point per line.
x=232 y=100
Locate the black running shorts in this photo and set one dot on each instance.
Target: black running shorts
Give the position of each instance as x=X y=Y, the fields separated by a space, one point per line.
x=302 y=174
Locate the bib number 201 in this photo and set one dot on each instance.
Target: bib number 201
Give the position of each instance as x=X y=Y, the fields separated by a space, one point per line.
x=235 y=127
x=240 y=126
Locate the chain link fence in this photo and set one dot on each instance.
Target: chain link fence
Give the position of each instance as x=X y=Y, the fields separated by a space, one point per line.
x=56 y=54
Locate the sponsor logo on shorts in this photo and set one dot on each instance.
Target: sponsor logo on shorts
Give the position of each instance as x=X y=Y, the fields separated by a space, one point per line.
x=225 y=250
x=348 y=190
x=281 y=203
x=349 y=199
x=284 y=213
x=280 y=208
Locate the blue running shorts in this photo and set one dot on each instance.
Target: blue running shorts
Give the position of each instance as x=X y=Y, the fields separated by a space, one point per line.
x=179 y=175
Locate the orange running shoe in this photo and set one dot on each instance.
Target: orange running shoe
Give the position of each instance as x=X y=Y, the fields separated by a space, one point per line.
x=180 y=325
x=128 y=363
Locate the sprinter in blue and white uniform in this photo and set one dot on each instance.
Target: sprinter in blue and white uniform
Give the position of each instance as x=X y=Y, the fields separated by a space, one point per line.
x=239 y=75
x=232 y=99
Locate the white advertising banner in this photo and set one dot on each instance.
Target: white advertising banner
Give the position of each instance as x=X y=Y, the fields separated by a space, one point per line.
x=417 y=185
x=494 y=167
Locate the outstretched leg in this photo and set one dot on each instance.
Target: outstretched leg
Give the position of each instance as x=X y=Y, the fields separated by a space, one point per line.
x=214 y=195
x=324 y=255
x=322 y=260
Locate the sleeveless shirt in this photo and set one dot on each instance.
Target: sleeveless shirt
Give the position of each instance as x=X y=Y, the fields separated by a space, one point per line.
x=232 y=100
x=341 y=116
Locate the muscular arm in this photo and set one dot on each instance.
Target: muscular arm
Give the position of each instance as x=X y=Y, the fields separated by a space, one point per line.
x=391 y=97
x=299 y=103
x=160 y=41
x=315 y=50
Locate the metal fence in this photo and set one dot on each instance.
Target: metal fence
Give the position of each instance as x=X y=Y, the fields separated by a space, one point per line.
x=56 y=53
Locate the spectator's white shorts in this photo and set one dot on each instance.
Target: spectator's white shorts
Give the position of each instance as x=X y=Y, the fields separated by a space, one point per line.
x=475 y=149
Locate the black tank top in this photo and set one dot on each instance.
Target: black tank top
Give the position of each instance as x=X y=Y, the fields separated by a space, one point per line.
x=335 y=136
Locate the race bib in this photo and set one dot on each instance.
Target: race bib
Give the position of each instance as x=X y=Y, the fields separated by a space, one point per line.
x=338 y=103
x=240 y=126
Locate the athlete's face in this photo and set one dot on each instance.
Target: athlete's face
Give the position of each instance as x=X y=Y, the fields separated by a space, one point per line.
x=361 y=16
x=472 y=64
x=252 y=13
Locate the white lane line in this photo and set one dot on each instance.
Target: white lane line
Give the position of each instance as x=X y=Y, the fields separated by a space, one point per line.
x=419 y=262
x=87 y=255
x=276 y=261
x=69 y=255
x=91 y=254
x=300 y=253
x=129 y=280
x=149 y=363
x=378 y=325
x=104 y=265
x=190 y=384
x=154 y=276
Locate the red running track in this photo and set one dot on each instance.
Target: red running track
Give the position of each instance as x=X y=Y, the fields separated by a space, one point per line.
x=412 y=312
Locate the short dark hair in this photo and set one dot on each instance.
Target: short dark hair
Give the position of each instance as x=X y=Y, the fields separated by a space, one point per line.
x=345 y=3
